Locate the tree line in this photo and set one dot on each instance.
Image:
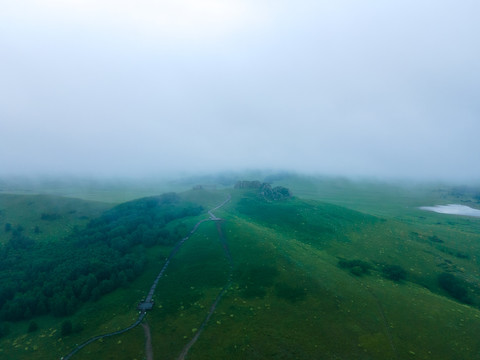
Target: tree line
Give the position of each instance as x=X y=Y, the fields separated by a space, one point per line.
x=57 y=277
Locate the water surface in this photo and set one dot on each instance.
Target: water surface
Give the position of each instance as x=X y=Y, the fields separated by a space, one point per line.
x=453 y=209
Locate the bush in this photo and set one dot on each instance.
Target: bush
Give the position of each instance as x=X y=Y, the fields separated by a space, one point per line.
x=357 y=271
x=50 y=217
x=4 y=329
x=435 y=238
x=455 y=287
x=32 y=327
x=78 y=328
x=394 y=272
x=290 y=293
x=356 y=267
x=67 y=328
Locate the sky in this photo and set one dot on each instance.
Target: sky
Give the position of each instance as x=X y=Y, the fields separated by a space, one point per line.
x=386 y=89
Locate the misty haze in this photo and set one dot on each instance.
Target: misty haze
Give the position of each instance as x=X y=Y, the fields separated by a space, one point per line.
x=227 y=179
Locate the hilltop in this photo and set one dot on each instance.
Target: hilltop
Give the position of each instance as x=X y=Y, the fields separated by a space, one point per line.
x=265 y=190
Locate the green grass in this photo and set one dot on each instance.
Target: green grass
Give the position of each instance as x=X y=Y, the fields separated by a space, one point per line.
x=106 y=190
x=60 y=215
x=289 y=298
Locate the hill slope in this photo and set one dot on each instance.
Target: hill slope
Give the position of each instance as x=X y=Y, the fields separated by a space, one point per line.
x=310 y=280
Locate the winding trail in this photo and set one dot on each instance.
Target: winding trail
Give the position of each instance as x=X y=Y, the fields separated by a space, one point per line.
x=95 y=338
x=385 y=322
x=148 y=341
x=148 y=303
x=187 y=347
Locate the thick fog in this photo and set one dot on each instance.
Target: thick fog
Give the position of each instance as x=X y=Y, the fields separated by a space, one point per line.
x=369 y=88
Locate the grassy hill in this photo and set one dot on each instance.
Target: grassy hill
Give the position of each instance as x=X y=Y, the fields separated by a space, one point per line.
x=45 y=217
x=311 y=280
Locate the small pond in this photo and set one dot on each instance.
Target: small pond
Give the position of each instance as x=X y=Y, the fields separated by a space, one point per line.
x=453 y=209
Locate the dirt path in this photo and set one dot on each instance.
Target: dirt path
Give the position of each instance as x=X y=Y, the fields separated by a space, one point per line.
x=95 y=338
x=187 y=347
x=226 y=250
x=385 y=322
x=148 y=341
x=142 y=314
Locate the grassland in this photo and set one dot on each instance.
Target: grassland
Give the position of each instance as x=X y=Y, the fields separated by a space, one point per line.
x=289 y=298
x=46 y=217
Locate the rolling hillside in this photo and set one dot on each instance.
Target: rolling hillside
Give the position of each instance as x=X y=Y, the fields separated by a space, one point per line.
x=310 y=280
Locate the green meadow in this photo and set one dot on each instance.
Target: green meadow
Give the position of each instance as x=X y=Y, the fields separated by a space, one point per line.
x=342 y=270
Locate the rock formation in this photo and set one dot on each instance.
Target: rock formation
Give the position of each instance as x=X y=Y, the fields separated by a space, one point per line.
x=265 y=190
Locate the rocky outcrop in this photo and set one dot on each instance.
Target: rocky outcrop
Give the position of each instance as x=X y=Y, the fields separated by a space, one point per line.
x=276 y=193
x=265 y=190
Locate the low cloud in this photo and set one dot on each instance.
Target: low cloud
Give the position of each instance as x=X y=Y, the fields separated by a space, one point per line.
x=385 y=90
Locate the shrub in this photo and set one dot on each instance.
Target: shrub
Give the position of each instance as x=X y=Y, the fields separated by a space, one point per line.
x=67 y=328
x=50 y=217
x=435 y=238
x=290 y=293
x=78 y=328
x=394 y=272
x=4 y=329
x=455 y=287
x=356 y=267
x=357 y=271
x=32 y=327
